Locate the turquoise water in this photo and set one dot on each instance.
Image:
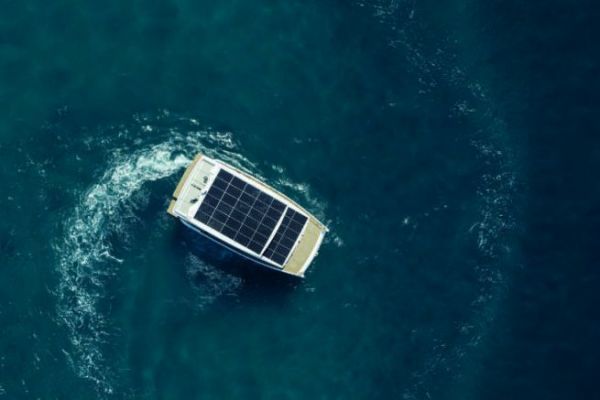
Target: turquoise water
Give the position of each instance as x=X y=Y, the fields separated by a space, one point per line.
x=399 y=124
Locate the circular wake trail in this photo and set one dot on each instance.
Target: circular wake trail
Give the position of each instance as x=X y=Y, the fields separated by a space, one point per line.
x=495 y=225
x=85 y=261
x=85 y=246
x=85 y=258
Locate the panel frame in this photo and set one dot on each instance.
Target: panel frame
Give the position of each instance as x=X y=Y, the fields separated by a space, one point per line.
x=228 y=212
x=298 y=239
x=261 y=188
x=270 y=239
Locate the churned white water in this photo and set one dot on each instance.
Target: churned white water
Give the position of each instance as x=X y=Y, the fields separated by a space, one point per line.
x=85 y=258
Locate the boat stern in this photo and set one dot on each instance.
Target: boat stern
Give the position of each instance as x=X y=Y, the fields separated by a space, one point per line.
x=194 y=181
x=306 y=249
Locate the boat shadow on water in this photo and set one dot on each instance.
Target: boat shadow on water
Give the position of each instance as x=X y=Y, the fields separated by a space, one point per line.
x=257 y=283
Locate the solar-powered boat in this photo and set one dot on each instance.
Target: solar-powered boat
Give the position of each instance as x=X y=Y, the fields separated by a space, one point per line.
x=246 y=216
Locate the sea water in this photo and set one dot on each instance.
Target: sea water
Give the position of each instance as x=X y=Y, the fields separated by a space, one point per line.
x=386 y=119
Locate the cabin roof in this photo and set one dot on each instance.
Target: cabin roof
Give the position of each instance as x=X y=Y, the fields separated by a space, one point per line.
x=247 y=214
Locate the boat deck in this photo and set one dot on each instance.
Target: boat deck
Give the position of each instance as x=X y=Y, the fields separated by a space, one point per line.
x=196 y=180
x=305 y=249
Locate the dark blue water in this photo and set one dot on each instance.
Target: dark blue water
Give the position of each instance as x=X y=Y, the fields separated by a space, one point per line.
x=449 y=147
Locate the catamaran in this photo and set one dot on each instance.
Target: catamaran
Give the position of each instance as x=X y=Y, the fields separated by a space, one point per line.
x=246 y=216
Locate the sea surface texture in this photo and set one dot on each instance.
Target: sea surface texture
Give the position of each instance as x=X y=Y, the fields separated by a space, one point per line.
x=436 y=140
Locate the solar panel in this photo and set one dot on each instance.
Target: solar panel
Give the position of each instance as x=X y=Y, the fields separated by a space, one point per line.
x=240 y=211
x=286 y=236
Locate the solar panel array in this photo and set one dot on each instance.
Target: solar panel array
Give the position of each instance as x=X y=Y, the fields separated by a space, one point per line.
x=240 y=211
x=286 y=236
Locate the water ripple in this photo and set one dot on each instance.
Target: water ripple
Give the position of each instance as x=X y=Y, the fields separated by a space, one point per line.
x=85 y=258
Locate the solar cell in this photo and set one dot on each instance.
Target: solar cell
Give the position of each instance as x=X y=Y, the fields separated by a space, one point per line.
x=240 y=211
x=285 y=237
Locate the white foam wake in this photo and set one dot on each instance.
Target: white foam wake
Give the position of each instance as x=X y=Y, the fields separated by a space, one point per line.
x=439 y=66
x=86 y=260
x=85 y=245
